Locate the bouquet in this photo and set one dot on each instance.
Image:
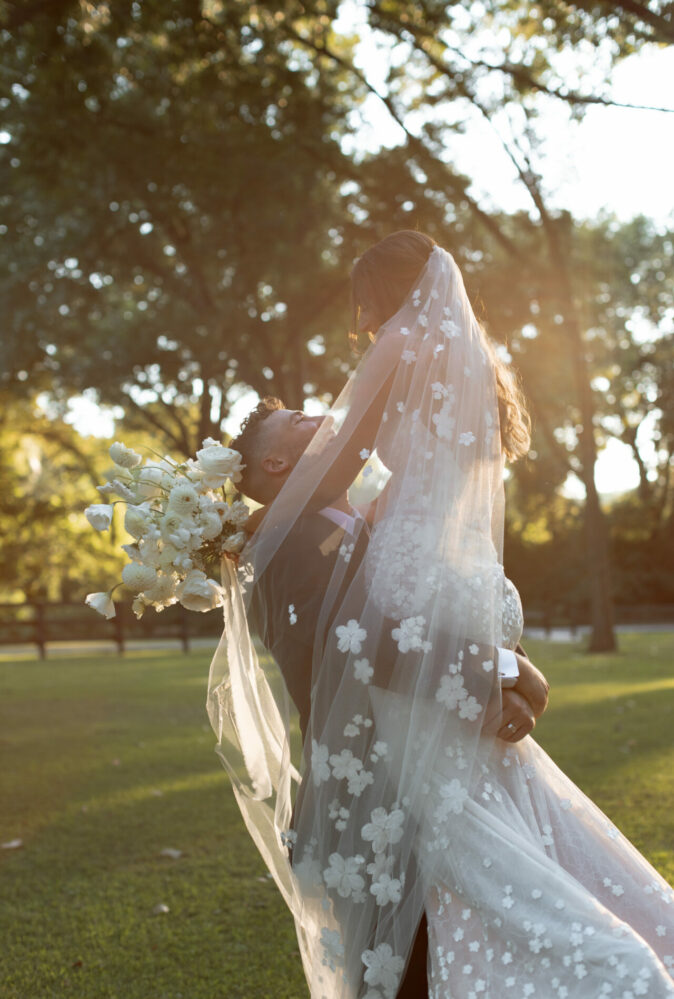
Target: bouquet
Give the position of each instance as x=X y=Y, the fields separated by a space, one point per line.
x=182 y=521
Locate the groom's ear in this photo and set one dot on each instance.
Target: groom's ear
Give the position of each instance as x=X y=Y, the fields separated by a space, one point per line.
x=275 y=465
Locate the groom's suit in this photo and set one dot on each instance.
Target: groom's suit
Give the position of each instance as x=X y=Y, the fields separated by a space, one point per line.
x=299 y=575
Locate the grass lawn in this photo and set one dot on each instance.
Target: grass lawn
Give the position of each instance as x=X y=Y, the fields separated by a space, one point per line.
x=108 y=761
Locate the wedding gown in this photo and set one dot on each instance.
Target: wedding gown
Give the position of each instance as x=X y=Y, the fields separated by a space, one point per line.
x=404 y=802
x=536 y=893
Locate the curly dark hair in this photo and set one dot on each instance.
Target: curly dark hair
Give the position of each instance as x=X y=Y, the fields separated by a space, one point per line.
x=248 y=443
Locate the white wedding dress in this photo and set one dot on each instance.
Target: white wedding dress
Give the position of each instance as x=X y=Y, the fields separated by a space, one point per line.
x=535 y=892
x=405 y=802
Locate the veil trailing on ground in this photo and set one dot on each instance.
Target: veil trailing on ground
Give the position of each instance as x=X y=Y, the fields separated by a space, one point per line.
x=353 y=818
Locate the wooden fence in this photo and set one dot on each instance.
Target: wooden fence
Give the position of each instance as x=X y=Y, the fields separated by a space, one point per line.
x=41 y=623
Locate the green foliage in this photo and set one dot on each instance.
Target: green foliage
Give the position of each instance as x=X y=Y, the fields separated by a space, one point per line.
x=173 y=181
x=110 y=761
x=48 y=474
x=183 y=194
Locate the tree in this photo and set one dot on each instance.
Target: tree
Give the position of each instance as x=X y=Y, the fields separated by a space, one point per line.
x=174 y=203
x=446 y=75
x=48 y=474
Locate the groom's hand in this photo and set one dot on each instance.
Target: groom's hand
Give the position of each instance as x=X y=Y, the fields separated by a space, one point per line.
x=514 y=720
x=532 y=685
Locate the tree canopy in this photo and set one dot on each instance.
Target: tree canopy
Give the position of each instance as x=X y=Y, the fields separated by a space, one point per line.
x=184 y=190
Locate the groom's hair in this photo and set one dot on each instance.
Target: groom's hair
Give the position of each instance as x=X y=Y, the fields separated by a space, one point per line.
x=250 y=444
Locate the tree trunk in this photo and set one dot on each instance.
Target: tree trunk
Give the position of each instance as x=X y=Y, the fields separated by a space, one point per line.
x=598 y=561
x=597 y=552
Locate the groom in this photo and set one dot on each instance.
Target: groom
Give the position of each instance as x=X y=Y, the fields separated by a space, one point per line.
x=271 y=441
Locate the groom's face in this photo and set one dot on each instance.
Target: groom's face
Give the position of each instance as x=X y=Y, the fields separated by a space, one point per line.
x=287 y=435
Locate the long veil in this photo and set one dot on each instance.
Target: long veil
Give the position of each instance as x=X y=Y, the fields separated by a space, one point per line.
x=353 y=815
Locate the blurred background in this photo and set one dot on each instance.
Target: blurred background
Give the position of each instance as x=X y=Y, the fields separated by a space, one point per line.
x=185 y=185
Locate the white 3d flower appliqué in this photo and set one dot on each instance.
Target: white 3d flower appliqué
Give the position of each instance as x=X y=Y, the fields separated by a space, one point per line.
x=350 y=636
x=383 y=968
x=320 y=770
x=453 y=795
x=292 y=616
x=343 y=875
x=451 y=691
x=450 y=328
x=408 y=635
x=386 y=889
x=362 y=670
x=383 y=828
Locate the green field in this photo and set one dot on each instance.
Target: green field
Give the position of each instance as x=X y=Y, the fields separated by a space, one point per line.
x=108 y=761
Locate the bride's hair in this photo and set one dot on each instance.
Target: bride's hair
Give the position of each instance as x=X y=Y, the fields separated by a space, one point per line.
x=381 y=280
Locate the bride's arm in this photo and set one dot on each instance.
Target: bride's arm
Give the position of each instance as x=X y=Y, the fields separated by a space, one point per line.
x=343 y=455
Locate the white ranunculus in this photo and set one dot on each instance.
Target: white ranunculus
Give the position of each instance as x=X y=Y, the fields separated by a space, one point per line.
x=235 y=543
x=181 y=538
x=199 y=593
x=138 y=577
x=136 y=520
x=101 y=602
x=211 y=524
x=150 y=552
x=99 y=515
x=217 y=462
x=182 y=562
x=167 y=555
x=172 y=522
x=183 y=499
x=124 y=456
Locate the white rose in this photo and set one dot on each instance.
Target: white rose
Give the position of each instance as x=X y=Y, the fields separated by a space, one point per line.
x=217 y=462
x=136 y=520
x=101 y=602
x=199 y=593
x=210 y=442
x=235 y=543
x=99 y=515
x=152 y=476
x=138 y=577
x=162 y=591
x=124 y=456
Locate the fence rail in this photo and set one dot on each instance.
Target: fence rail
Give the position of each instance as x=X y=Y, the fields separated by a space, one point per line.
x=38 y=623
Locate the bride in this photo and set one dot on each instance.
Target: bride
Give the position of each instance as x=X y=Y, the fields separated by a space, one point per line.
x=407 y=796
